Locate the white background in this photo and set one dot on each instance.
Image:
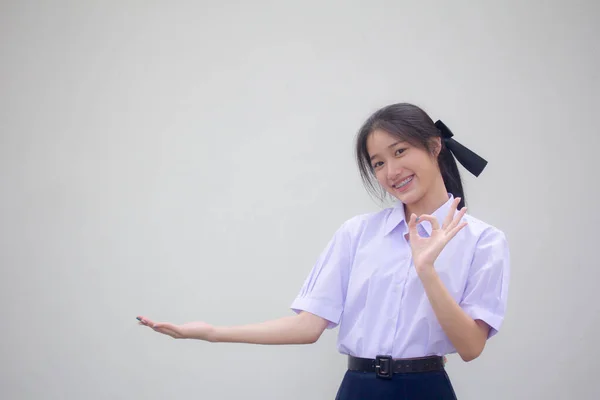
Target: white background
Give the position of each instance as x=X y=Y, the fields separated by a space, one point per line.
x=189 y=161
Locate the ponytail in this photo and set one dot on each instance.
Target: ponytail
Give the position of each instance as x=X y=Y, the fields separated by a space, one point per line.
x=451 y=174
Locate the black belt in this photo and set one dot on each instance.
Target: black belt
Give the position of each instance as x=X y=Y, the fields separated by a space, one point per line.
x=386 y=366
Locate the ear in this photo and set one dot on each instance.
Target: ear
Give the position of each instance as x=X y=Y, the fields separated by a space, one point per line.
x=436 y=146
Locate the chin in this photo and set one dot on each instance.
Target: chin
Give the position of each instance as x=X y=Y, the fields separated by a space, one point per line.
x=408 y=198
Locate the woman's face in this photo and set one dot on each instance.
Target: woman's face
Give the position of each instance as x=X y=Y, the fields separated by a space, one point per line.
x=404 y=171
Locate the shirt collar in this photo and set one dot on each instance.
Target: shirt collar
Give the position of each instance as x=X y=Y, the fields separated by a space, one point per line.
x=396 y=216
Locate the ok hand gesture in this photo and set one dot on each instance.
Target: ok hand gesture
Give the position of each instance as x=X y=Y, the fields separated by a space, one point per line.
x=426 y=250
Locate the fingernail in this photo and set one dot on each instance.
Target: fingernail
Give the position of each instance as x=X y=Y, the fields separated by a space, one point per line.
x=138 y=318
x=418 y=219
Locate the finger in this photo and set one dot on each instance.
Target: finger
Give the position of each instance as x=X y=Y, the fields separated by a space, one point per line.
x=166 y=325
x=451 y=213
x=166 y=331
x=457 y=218
x=412 y=226
x=432 y=220
x=145 y=321
x=456 y=229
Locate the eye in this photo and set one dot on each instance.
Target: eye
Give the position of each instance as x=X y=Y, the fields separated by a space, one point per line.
x=377 y=164
x=399 y=151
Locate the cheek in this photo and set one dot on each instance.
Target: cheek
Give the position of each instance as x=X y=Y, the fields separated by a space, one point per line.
x=380 y=176
x=426 y=171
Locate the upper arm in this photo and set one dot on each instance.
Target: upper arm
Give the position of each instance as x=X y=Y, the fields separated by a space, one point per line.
x=485 y=295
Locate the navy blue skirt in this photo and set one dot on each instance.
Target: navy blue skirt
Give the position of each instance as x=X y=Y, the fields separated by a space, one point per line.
x=414 y=386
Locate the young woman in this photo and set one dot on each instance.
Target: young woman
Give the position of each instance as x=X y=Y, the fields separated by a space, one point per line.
x=406 y=285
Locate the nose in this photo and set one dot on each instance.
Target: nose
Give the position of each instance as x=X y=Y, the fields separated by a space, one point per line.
x=394 y=170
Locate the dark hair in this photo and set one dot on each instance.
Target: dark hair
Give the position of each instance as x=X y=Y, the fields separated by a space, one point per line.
x=411 y=124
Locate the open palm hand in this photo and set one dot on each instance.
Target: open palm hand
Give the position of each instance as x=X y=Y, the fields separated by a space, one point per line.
x=190 y=330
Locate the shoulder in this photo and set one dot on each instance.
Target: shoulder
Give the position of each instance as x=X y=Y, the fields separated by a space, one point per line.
x=488 y=243
x=481 y=230
x=365 y=222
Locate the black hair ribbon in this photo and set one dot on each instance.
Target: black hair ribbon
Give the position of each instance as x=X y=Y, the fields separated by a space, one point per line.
x=468 y=159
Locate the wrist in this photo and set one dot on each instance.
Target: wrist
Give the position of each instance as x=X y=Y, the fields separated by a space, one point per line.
x=426 y=272
x=214 y=334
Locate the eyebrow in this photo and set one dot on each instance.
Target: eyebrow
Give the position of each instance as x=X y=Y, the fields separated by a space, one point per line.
x=389 y=147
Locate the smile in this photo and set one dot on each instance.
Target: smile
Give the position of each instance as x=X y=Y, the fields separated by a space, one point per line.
x=403 y=183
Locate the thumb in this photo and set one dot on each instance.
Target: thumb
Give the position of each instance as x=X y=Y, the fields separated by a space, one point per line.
x=165 y=325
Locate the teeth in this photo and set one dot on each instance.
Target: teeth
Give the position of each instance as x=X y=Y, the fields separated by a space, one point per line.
x=404 y=182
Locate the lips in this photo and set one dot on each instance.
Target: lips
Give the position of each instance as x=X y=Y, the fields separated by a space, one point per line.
x=403 y=183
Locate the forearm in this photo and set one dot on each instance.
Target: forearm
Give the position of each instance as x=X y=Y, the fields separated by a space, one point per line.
x=297 y=329
x=465 y=334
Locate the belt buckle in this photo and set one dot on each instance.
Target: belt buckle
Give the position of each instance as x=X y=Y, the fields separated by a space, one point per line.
x=384 y=367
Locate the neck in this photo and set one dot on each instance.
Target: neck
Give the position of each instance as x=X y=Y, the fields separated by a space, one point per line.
x=430 y=202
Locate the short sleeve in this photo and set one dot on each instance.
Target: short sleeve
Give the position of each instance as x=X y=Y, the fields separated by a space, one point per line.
x=324 y=290
x=485 y=295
